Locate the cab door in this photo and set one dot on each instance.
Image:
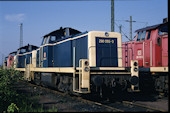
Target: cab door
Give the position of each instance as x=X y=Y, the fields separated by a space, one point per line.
x=139 y=48
x=148 y=50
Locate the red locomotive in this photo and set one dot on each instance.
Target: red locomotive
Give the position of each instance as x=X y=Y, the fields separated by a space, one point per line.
x=150 y=48
x=10 y=60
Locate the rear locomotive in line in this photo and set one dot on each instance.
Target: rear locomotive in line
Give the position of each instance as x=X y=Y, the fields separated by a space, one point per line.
x=24 y=56
x=150 y=49
x=76 y=62
x=9 y=60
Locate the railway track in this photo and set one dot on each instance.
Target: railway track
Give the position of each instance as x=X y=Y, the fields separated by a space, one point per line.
x=121 y=106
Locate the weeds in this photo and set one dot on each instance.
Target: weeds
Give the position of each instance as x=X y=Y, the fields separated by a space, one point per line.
x=11 y=100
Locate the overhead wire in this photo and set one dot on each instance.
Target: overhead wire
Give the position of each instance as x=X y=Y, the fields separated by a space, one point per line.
x=122 y=31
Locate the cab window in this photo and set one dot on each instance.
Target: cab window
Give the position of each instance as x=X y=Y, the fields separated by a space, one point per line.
x=22 y=50
x=143 y=36
x=13 y=54
x=47 y=40
x=149 y=34
x=52 y=39
x=163 y=30
x=139 y=36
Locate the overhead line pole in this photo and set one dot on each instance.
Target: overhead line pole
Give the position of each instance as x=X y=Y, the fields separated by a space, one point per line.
x=120 y=29
x=112 y=16
x=130 y=30
x=21 y=35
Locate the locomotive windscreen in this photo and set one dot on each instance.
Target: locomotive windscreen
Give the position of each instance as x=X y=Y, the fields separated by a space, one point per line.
x=106 y=52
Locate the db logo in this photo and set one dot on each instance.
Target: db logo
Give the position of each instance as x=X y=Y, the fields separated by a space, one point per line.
x=139 y=52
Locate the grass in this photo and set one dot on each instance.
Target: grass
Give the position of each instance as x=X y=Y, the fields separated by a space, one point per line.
x=11 y=100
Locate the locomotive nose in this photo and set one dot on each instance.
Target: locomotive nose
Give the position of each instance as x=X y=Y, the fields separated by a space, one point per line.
x=134 y=80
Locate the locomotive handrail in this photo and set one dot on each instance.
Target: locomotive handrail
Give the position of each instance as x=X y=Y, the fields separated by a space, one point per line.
x=129 y=48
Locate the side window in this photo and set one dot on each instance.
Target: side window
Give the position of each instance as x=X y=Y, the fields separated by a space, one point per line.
x=143 y=36
x=47 y=40
x=52 y=39
x=44 y=40
x=149 y=34
x=139 y=36
x=23 y=50
x=12 y=54
x=163 y=30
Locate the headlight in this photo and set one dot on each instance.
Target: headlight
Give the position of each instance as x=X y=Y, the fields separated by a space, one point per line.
x=135 y=69
x=106 y=34
x=135 y=64
x=86 y=69
x=134 y=80
x=86 y=63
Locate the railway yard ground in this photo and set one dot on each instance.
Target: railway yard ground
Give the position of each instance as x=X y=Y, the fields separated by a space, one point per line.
x=61 y=102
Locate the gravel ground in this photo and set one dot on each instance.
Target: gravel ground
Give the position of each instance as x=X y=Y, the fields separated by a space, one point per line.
x=66 y=103
x=63 y=103
x=161 y=104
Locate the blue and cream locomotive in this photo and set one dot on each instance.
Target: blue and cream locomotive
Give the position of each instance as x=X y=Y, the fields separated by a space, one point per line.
x=88 y=62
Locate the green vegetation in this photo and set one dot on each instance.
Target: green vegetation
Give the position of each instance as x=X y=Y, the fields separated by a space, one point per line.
x=13 y=101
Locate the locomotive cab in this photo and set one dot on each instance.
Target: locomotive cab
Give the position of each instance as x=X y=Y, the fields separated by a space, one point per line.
x=45 y=55
x=151 y=46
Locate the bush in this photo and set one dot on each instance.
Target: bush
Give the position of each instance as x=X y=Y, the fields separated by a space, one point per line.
x=7 y=93
x=10 y=100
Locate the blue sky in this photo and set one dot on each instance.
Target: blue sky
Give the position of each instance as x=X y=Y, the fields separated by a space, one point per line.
x=42 y=17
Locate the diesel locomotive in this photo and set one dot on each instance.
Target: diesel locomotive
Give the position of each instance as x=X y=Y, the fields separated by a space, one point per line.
x=150 y=49
x=79 y=62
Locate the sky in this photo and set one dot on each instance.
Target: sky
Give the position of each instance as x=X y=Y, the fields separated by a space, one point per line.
x=41 y=17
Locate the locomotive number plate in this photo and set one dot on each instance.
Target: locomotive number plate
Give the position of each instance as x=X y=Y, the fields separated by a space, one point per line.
x=106 y=41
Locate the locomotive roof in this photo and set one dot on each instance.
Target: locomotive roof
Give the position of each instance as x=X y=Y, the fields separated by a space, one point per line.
x=150 y=27
x=13 y=52
x=24 y=47
x=62 y=30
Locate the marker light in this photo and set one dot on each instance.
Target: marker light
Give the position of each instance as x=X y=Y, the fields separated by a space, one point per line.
x=106 y=34
x=86 y=69
x=135 y=69
x=86 y=63
x=135 y=64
